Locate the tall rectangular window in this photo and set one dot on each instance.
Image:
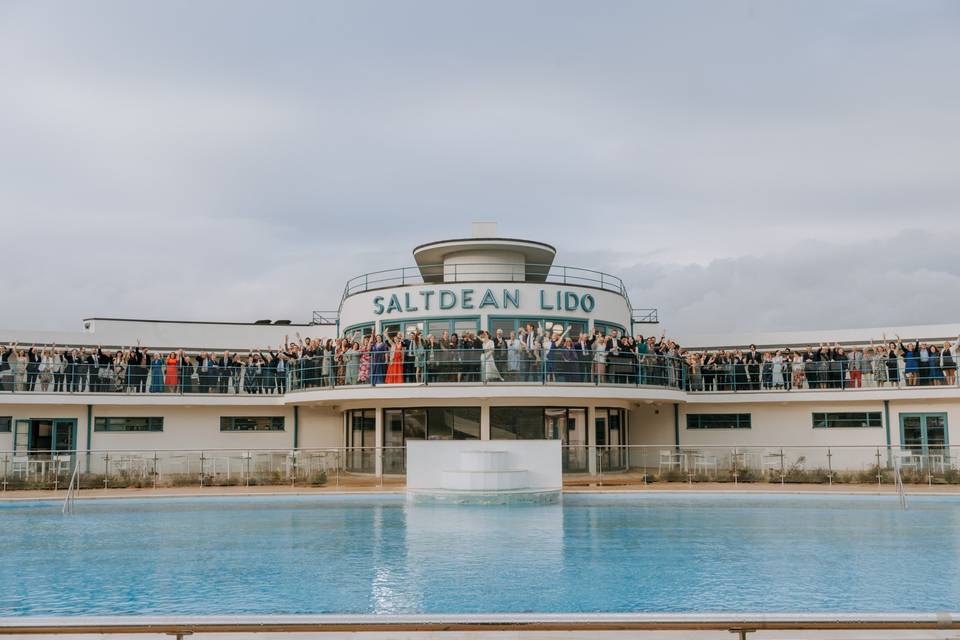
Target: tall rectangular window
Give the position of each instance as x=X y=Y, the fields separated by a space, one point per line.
x=431 y=423
x=361 y=427
x=6 y=423
x=251 y=423
x=718 y=421
x=846 y=420
x=128 y=424
x=518 y=423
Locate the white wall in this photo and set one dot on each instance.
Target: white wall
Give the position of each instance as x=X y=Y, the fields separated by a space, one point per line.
x=464 y=266
x=359 y=308
x=428 y=459
x=162 y=335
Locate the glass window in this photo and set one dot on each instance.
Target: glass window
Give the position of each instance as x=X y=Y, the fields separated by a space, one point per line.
x=251 y=423
x=506 y=325
x=718 y=421
x=128 y=424
x=453 y=423
x=361 y=427
x=365 y=329
x=576 y=327
x=391 y=328
x=517 y=423
x=432 y=423
x=393 y=427
x=437 y=327
x=461 y=327
x=845 y=420
x=6 y=423
x=607 y=328
x=415 y=424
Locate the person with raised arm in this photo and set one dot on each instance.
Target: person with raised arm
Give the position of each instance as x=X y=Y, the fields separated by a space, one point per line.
x=948 y=361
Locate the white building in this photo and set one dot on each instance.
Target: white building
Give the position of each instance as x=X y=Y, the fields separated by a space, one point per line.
x=464 y=286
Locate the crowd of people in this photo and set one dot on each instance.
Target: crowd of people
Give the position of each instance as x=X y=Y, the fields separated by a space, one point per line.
x=138 y=370
x=891 y=363
x=530 y=354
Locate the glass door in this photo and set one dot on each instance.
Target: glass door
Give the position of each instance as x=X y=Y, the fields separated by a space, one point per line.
x=64 y=436
x=924 y=433
x=360 y=440
x=570 y=426
x=611 y=430
x=21 y=437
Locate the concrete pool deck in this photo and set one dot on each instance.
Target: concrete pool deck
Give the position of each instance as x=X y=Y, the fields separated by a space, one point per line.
x=839 y=626
x=396 y=487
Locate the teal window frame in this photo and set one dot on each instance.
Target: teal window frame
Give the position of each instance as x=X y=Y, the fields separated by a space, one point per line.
x=521 y=321
x=710 y=421
x=128 y=424
x=6 y=424
x=847 y=419
x=450 y=320
x=925 y=443
x=363 y=326
x=230 y=424
x=607 y=326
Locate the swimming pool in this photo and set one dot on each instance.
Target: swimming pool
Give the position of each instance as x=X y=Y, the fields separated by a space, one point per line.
x=669 y=552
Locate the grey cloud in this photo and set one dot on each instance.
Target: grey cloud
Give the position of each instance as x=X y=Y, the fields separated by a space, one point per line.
x=236 y=160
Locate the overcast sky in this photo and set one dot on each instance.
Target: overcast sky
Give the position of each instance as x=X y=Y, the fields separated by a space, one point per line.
x=742 y=165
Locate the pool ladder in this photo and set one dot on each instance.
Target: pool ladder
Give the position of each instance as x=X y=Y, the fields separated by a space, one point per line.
x=72 y=490
x=898 y=481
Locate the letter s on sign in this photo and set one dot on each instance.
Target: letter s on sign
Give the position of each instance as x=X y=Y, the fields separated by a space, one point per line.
x=378 y=305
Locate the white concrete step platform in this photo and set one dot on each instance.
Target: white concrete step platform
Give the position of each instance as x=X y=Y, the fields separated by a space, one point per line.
x=484 y=460
x=484 y=480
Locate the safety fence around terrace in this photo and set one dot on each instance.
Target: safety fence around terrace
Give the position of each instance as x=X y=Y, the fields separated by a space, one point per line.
x=348 y=467
x=432 y=366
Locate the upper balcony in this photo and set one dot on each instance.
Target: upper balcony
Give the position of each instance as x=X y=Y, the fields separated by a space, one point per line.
x=494 y=272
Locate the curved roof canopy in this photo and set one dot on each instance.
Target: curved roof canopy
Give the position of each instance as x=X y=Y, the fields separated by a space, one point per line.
x=537 y=255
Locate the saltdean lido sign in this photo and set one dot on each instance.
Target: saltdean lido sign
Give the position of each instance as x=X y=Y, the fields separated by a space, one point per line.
x=446 y=299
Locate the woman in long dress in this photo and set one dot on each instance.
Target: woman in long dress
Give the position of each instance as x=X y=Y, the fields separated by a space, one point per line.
x=171 y=376
x=778 y=381
x=351 y=358
x=488 y=364
x=395 y=368
x=363 y=376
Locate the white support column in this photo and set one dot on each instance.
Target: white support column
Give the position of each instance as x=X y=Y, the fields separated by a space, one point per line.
x=378 y=441
x=484 y=422
x=592 y=440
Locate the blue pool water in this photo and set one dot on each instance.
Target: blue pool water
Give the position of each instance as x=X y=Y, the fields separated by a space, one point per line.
x=377 y=554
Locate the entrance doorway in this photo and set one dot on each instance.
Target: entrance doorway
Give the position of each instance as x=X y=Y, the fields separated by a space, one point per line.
x=611 y=432
x=924 y=433
x=45 y=437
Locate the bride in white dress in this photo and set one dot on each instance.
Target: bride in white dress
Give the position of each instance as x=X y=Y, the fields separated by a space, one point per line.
x=487 y=364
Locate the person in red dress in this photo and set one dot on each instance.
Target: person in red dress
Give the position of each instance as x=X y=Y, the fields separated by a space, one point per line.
x=395 y=369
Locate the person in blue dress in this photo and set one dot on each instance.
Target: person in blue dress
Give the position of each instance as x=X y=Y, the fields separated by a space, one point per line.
x=911 y=360
x=378 y=360
x=156 y=374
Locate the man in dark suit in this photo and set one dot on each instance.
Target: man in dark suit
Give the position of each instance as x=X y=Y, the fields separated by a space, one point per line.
x=224 y=368
x=753 y=360
x=409 y=357
x=207 y=371
x=137 y=369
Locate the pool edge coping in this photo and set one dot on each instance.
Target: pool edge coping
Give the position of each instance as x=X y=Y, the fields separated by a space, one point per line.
x=149 y=495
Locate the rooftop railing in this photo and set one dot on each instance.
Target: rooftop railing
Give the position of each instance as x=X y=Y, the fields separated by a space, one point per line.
x=434 y=366
x=484 y=272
